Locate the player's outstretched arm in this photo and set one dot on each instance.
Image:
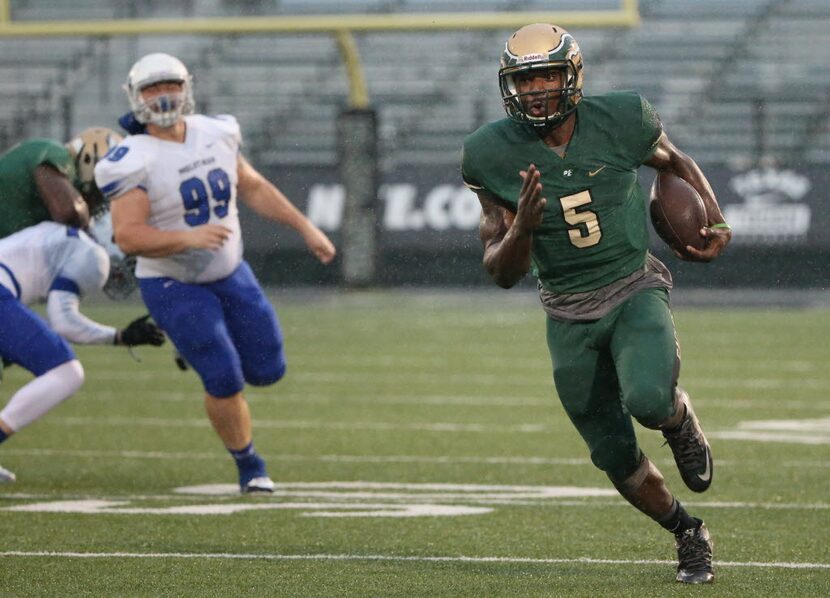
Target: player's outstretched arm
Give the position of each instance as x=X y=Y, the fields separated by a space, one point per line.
x=63 y=201
x=65 y=317
x=508 y=238
x=667 y=158
x=134 y=236
x=264 y=198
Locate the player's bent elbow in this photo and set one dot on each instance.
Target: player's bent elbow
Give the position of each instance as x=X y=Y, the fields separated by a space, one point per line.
x=505 y=280
x=504 y=270
x=64 y=329
x=505 y=283
x=127 y=244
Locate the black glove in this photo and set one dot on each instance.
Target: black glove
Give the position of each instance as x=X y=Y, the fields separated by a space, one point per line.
x=180 y=361
x=140 y=332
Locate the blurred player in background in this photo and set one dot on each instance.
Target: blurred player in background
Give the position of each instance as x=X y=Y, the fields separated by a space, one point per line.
x=41 y=179
x=174 y=191
x=557 y=182
x=57 y=264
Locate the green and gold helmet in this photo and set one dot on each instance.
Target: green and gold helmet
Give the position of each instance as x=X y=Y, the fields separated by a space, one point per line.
x=541 y=47
x=87 y=149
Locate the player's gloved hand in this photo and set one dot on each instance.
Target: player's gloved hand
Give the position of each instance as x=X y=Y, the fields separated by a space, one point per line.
x=140 y=332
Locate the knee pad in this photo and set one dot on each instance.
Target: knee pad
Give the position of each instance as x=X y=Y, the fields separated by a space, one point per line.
x=650 y=405
x=223 y=383
x=617 y=457
x=266 y=373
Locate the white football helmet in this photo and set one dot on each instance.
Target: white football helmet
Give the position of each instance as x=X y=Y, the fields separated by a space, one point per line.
x=163 y=110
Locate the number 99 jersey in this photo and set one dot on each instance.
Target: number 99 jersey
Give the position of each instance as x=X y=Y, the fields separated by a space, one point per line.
x=189 y=184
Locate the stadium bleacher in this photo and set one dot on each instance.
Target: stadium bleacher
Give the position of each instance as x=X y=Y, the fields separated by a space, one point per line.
x=735 y=82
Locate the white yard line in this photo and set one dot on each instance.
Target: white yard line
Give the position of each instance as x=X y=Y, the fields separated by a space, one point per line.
x=393 y=558
x=359 y=491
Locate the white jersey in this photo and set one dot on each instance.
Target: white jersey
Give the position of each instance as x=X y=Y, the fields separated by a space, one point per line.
x=51 y=256
x=189 y=184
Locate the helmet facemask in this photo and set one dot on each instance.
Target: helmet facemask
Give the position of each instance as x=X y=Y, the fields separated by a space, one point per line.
x=514 y=102
x=539 y=49
x=166 y=109
x=121 y=281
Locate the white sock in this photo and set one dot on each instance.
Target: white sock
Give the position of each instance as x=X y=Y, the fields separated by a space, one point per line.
x=43 y=394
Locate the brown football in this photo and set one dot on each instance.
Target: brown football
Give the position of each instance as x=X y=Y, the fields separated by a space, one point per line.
x=677 y=212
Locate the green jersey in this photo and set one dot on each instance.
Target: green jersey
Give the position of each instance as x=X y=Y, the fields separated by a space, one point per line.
x=594 y=228
x=20 y=202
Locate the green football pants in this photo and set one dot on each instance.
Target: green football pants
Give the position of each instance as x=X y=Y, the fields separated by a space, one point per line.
x=609 y=370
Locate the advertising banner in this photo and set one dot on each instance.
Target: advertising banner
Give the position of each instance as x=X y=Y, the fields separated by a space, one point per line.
x=782 y=215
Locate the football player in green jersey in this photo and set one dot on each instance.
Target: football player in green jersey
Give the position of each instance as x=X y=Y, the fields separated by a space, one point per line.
x=42 y=179
x=557 y=182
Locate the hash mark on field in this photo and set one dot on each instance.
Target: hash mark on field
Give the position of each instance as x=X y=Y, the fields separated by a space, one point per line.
x=798 y=431
x=382 y=557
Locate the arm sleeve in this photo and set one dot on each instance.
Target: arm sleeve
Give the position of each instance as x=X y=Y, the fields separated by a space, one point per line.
x=466 y=167
x=65 y=317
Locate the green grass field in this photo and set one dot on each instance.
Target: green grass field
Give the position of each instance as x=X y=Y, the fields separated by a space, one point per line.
x=420 y=450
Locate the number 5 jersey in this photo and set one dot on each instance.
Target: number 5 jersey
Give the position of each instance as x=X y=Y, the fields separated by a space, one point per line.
x=189 y=184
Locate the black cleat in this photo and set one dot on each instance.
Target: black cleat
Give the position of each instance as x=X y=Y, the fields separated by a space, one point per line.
x=694 y=555
x=691 y=451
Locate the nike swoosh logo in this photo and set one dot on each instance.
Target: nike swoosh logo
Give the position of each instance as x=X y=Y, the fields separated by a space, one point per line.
x=707 y=473
x=596 y=172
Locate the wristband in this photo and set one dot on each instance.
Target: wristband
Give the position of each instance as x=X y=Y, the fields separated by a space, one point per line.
x=721 y=225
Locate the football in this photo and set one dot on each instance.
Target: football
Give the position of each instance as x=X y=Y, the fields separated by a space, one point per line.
x=677 y=212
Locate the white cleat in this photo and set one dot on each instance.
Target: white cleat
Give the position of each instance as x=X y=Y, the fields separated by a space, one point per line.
x=6 y=476
x=258 y=485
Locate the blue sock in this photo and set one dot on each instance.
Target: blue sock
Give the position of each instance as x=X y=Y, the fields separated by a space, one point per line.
x=3 y=436
x=249 y=463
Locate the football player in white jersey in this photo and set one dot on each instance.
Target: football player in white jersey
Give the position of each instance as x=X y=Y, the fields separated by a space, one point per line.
x=57 y=264
x=174 y=191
